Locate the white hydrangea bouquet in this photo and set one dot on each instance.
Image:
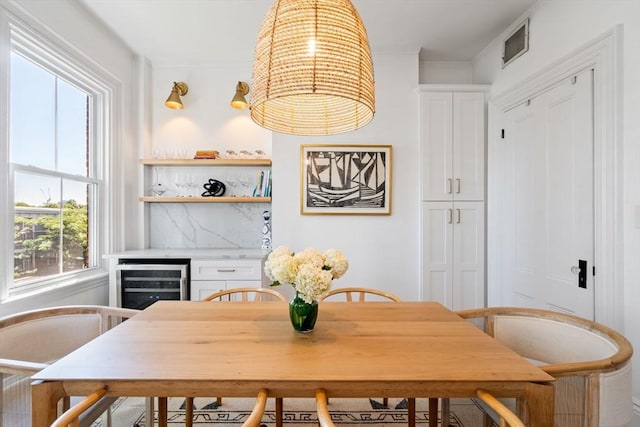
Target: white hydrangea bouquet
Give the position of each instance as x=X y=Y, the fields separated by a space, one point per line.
x=310 y=271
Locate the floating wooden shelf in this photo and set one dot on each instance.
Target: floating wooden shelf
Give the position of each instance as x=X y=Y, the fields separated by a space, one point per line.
x=247 y=199
x=206 y=162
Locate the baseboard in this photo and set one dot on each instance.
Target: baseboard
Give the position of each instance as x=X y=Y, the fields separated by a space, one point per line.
x=635 y=419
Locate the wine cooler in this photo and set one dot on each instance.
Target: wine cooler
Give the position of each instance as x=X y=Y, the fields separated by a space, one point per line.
x=141 y=282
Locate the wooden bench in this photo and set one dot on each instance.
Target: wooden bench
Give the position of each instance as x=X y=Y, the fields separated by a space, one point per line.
x=31 y=340
x=590 y=361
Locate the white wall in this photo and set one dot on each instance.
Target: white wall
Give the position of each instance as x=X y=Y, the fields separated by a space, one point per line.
x=446 y=72
x=69 y=23
x=207 y=122
x=383 y=251
x=558 y=28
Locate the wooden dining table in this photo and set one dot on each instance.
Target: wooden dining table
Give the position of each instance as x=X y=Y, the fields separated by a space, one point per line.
x=357 y=350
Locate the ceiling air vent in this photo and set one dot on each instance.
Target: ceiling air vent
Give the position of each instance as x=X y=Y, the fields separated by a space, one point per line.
x=516 y=43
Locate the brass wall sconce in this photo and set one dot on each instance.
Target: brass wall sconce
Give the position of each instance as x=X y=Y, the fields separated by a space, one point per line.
x=239 y=101
x=173 y=101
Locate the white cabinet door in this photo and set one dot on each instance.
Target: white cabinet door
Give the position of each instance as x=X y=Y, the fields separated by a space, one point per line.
x=437 y=252
x=201 y=289
x=468 y=255
x=437 y=145
x=453 y=134
x=468 y=146
x=453 y=253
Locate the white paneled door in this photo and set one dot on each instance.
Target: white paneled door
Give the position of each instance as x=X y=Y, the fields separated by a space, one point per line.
x=544 y=200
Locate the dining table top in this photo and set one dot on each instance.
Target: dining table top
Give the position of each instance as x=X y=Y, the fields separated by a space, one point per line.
x=395 y=349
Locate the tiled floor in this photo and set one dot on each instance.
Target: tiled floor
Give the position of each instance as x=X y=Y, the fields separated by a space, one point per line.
x=130 y=410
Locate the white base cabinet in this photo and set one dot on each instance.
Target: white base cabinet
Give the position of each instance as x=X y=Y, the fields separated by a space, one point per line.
x=210 y=276
x=201 y=289
x=453 y=253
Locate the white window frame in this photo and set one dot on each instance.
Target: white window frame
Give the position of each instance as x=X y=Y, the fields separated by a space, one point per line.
x=47 y=50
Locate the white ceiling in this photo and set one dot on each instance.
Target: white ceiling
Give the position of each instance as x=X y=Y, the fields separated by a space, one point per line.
x=204 y=31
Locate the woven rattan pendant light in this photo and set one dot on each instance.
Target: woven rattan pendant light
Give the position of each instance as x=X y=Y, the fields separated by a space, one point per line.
x=312 y=72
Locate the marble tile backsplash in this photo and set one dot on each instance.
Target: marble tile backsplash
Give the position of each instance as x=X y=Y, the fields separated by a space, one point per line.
x=206 y=225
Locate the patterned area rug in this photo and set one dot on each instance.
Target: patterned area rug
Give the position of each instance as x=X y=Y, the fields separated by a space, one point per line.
x=300 y=412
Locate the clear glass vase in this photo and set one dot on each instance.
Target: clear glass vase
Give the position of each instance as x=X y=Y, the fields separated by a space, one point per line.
x=302 y=314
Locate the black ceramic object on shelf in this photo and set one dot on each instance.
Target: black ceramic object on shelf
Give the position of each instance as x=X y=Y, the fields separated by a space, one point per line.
x=213 y=188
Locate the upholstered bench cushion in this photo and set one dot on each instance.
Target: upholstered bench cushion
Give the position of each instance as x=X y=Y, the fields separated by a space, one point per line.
x=48 y=339
x=550 y=341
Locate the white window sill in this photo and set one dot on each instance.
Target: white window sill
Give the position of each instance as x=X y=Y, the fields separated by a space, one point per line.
x=61 y=287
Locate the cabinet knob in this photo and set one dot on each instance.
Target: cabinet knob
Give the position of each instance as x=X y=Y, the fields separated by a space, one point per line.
x=226 y=270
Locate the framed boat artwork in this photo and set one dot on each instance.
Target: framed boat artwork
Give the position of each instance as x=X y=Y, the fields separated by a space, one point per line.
x=345 y=179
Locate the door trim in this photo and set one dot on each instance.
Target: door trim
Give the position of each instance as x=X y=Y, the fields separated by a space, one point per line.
x=603 y=55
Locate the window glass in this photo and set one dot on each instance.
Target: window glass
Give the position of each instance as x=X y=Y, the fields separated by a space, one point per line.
x=75 y=216
x=72 y=109
x=33 y=104
x=50 y=152
x=36 y=227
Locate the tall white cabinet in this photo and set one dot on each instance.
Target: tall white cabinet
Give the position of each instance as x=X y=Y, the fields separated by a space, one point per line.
x=453 y=135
